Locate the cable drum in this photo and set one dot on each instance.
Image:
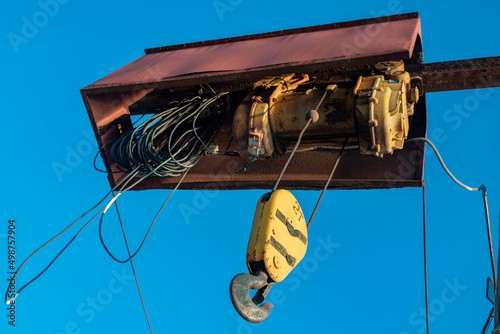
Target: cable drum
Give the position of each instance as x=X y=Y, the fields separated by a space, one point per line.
x=173 y=140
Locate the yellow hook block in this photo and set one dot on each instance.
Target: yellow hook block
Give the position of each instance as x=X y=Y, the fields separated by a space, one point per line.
x=279 y=235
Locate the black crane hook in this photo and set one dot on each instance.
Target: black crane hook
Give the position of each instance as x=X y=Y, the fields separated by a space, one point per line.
x=240 y=296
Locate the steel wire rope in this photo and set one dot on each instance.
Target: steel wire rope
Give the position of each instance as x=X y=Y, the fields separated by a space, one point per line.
x=298 y=141
x=337 y=160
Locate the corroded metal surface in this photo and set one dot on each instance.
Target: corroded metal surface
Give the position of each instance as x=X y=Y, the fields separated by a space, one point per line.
x=458 y=74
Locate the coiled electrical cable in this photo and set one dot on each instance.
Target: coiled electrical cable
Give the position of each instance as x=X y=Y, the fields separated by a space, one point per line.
x=173 y=140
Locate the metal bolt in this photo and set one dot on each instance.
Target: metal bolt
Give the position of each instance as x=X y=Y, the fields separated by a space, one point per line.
x=276 y=262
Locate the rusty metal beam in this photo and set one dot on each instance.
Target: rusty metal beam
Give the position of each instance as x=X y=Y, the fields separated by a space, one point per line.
x=458 y=74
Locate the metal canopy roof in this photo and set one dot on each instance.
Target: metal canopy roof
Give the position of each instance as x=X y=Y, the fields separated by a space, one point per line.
x=295 y=50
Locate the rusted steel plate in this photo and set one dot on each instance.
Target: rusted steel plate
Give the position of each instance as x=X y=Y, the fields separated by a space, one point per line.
x=336 y=25
x=458 y=74
x=297 y=50
x=308 y=170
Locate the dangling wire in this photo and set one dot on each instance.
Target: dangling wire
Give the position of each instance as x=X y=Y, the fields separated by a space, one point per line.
x=248 y=164
x=485 y=200
x=490 y=243
x=183 y=152
x=124 y=181
x=443 y=164
x=425 y=258
x=133 y=269
x=488 y=321
x=147 y=233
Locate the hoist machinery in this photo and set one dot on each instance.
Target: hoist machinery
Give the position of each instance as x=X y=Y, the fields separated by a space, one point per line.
x=377 y=110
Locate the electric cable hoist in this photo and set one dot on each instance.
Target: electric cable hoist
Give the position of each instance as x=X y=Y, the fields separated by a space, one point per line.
x=376 y=110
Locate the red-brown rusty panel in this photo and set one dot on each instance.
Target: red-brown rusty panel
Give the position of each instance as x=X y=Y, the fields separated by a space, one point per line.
x=110 y=118
x=364 y=43
x=307 y=170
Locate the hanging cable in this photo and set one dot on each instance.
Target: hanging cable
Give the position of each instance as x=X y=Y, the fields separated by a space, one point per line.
x=126 y=179
x=148 y=142
x=133 y=268
x=327 y=182
x=443 y=164
x=425 y=258
x=147 y=233
x=248 y=164
x=485 y=200
x=164 y=153
x=490 y=243
x=488 y=321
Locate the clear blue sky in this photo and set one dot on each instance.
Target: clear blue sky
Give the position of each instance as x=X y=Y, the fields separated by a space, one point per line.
x=364 y=268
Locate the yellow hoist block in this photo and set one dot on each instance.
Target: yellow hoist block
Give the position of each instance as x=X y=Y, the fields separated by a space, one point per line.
x=279 y=235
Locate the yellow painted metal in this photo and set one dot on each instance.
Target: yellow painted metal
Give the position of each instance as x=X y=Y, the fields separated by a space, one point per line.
x=381 y=110
x=279 y=235
x=335 y=115
x=376 y=110
x=254 y=112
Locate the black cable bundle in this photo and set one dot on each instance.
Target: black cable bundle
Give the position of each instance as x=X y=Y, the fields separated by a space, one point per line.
x=173 y=140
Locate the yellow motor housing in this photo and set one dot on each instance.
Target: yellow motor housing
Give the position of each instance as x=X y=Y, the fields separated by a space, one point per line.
x=279 y=235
